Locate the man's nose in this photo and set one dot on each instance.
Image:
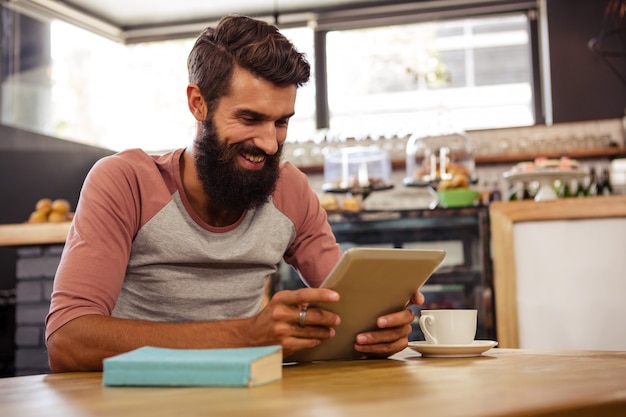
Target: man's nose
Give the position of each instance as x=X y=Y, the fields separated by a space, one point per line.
x=267 y=139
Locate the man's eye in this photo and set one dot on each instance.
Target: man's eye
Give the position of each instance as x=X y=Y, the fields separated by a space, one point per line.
x=282 y=123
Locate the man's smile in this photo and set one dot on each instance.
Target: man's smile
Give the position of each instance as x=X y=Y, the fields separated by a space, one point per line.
x=256 y=158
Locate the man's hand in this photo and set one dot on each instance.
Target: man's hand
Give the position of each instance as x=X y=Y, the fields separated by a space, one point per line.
x=279 y=322
x=393 y=333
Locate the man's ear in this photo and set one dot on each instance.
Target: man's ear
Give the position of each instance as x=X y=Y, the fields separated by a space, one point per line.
x=196 y=103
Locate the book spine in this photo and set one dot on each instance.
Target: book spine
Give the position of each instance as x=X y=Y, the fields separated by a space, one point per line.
x=176 y=375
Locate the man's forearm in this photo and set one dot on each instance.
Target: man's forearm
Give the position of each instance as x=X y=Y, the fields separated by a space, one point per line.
x=84 y=342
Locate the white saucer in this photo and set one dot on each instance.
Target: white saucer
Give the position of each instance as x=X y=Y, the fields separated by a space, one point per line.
x=476 y=348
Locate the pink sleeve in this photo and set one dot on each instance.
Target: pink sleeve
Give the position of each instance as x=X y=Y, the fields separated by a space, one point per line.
x=314 y=251
x=96 y=253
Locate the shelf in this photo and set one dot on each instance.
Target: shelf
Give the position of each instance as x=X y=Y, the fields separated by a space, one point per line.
x=574 y=154
x=33 y=233
x=613 y=152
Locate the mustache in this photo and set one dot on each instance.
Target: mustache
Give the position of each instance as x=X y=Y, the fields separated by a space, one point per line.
x=242 y=148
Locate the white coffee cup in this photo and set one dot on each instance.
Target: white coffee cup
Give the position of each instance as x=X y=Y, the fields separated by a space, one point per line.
x=448 y=327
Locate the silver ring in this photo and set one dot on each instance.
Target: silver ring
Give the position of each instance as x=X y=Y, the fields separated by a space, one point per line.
x=303 y=311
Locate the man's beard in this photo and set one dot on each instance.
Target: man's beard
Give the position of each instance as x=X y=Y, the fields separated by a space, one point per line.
x=228 y=185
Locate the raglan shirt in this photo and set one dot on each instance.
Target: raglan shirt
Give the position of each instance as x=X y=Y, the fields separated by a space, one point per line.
x=136 y=249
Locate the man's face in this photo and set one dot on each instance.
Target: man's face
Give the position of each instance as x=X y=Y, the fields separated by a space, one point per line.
x=229 y=185
x=238 y=151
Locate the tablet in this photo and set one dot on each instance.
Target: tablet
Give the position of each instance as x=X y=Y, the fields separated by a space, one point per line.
x=371 y=282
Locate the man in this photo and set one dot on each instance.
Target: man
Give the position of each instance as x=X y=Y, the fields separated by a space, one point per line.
x=174 y=250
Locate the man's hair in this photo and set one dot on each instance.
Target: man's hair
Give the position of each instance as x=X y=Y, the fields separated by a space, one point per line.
x=250 y=44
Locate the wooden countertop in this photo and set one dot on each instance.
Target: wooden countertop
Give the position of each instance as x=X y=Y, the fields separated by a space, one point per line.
x=502 y=382
x=562 y=208
x=33 y=233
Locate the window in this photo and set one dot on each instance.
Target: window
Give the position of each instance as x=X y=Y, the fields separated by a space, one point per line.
x=117 y=96
x=97 y=91
x=380 y=81
x=134 y=96
x=475 y=72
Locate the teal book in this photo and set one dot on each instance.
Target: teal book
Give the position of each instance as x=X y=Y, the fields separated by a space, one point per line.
x=235 y=367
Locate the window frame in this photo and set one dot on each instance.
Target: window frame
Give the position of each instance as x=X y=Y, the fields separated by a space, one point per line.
x=399 y=14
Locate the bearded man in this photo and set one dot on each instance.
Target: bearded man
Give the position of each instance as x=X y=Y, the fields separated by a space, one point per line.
x=174 y=250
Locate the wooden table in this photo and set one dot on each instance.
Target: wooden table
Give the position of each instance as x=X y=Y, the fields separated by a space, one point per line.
x=502 y=382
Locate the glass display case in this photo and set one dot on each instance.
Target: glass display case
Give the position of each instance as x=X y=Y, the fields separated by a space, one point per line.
x=464 y=280
x=434 y=158
x=357 y=170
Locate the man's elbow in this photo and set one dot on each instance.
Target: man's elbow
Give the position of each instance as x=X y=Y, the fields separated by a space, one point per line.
x=58 y=356
x=63 y=354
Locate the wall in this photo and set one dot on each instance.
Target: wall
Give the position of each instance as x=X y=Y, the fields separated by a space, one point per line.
x=583 y=85
x=32 y=166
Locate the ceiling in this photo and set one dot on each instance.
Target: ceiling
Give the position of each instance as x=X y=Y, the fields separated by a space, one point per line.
x=135 y=20
x=134 y=13
x=130 y=21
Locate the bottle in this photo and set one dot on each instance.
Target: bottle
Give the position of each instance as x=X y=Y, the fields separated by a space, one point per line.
x=592 y=188
x=604 y=186
x=526 y=194
x=496 y=194
x=581 y=190
x=567 y=191
x=513 y=193
x=557 y=186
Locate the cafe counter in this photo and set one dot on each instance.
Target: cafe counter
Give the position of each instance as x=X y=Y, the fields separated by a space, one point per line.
x=559 y=277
